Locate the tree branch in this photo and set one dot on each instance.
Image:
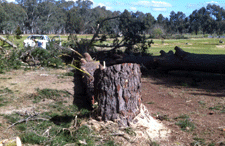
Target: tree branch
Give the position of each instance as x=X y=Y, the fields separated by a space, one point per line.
x=98 y=29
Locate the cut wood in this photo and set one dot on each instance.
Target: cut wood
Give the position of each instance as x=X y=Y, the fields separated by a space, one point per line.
x=8 y=42
x=11 y=142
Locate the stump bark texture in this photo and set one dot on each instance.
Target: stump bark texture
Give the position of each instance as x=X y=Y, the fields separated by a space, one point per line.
x=84 y=82
x=118 y=92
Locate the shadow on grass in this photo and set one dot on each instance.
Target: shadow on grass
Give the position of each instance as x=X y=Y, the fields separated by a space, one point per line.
x=212 y=84
x=62 y=120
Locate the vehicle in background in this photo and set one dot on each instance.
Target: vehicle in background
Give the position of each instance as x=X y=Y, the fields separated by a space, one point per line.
x=41 y=41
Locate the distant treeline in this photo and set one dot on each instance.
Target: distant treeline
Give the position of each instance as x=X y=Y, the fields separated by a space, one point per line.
x=60 y=16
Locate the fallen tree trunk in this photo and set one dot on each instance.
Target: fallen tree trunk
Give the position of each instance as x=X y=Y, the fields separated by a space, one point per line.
x=8 y=42
x=180 y=60
x=11 y=142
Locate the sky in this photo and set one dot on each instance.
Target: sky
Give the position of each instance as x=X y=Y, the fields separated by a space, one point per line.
x=156 y=7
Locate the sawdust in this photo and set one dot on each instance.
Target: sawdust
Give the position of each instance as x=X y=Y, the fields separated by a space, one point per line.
x=146 y=129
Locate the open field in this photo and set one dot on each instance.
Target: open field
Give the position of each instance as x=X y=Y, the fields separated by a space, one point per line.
x=198 y=46
x=192 y=45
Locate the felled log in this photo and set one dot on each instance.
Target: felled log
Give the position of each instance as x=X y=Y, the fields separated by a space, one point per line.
x=11 y=142
x=117 y=89
x=182 y=60
x=8 y=42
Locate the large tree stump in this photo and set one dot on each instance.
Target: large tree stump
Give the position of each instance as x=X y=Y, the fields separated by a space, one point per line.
x=118 y=92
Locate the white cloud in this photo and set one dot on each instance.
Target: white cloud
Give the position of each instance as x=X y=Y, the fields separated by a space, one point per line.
x=161 y=4
x=77 y=0
x=103 y=5
x=158 y=4
x=133 y=8
x=11 y=1
x=159 y=9
x=212 y=2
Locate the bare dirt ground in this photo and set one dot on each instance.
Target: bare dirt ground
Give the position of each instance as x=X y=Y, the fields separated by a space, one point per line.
x=201 y=97
x=176 y=94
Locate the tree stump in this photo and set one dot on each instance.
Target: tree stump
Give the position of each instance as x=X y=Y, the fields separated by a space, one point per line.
x=117 y=89
x=84 y=82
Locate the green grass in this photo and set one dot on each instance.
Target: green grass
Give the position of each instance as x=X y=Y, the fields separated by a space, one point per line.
x=198 y=46
x=32 y=131
x=218 y=107
x=49 y=94
x=4 y=94
x=198 y=142
x=150 y=102
x=185 y=124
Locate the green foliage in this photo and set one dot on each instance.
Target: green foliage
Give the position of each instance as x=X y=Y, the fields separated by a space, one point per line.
x=48 y=58
x=10 y=61
x=32 y=138
x=18 y=32
x=81 y=45
x=157 y=33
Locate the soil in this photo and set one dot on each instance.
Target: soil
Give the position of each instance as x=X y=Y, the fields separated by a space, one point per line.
x=201 y=96
x=193 y=94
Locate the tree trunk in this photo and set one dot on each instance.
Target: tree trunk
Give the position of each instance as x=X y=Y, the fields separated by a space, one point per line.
x=84 y=82
x=11 y=142
x=8 y=42
x=182 y=60
x=118 y=92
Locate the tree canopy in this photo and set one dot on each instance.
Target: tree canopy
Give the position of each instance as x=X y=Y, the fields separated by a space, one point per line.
x=79 y=17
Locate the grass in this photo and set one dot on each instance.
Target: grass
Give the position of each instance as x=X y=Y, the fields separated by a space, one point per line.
x=66 y=74
x=198 y=142
x=130 y=131
x=150 y=102
x=4 y=94
x=218 y=107
x=49 y=94
x=32 y=131
x=195 y=45
x=185 y=123
x=198 y=46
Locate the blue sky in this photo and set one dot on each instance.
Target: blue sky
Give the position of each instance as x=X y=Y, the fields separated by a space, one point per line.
x=155 y=7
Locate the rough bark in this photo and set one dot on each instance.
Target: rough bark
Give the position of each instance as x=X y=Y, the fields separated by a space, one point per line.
x=181 y=60
x=84 y=82
x=118 y=92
